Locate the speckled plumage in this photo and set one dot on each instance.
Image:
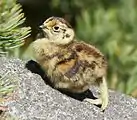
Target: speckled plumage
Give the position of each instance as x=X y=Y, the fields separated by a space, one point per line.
x=71 y=65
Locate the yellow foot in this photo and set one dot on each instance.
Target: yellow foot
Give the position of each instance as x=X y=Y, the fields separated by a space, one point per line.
x=93 y=101
x=97 y=102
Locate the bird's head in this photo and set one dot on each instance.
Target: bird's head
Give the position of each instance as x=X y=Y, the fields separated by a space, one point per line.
x=58 y=30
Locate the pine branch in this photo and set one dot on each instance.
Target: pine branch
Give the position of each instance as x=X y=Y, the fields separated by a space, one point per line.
x=12 y=35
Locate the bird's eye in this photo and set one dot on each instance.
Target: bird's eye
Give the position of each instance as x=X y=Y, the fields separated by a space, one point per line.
x=56 y=28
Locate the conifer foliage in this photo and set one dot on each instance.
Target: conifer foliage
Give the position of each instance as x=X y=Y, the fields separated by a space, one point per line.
x=12 y=35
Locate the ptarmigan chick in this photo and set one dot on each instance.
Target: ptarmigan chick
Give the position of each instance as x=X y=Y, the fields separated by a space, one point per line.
x=71 y=65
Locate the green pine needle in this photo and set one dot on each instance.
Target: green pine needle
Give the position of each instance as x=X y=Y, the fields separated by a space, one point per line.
x=12 y=35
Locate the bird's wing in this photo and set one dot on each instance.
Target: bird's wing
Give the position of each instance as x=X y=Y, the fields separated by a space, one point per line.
x=86 y=51
x=68 y=64
x=80 y=55
x=90 y=57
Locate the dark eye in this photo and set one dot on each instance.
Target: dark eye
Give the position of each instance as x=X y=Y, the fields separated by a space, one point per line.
x=56 y=28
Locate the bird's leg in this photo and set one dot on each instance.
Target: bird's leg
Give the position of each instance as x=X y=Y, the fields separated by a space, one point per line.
x=104 y=93
x=103 y=100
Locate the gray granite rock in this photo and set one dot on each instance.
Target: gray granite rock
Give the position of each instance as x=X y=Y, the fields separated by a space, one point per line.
x=38 y=101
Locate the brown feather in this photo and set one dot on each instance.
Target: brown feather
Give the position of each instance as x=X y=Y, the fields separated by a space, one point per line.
x=52 y=21
x=65 y=66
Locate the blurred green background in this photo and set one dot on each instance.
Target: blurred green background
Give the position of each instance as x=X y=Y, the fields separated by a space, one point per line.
x=110 y=25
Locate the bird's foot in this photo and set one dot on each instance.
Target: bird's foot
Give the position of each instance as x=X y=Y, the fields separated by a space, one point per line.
x=97 y=102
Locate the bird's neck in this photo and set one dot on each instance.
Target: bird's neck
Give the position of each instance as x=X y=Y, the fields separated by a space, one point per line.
x=68 y=44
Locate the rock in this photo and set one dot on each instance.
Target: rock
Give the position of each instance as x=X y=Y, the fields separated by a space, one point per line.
x=38 y=101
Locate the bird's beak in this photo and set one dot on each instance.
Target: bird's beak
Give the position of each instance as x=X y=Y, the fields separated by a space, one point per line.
x=42 y=26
